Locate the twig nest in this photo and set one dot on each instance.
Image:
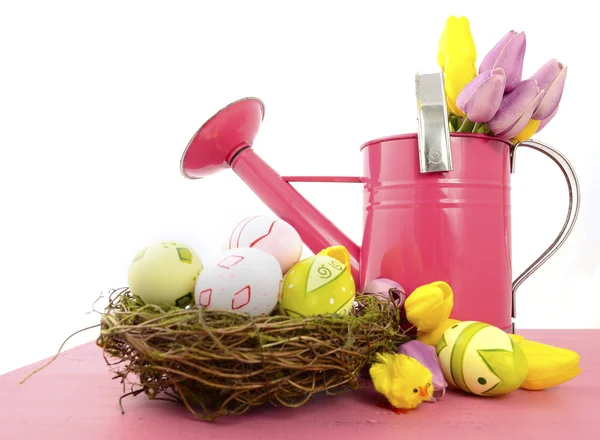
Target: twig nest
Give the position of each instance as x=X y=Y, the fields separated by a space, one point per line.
x=219 y=362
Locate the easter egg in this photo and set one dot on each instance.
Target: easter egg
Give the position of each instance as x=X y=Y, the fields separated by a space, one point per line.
x=269 y=234
x=319 y=285
x=165 y=273
x=242 y=279
x=481 y=359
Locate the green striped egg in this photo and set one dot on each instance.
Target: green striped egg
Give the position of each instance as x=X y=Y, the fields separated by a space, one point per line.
x=481 y=359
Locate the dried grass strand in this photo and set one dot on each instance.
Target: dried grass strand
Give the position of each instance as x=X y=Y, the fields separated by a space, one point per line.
x=53 y=358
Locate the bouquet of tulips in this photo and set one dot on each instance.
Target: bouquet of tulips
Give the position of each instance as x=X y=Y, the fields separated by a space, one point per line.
x=496 y=100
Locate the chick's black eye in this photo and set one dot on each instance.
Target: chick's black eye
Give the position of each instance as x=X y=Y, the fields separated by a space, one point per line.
x=415 y=390
x=428 y=385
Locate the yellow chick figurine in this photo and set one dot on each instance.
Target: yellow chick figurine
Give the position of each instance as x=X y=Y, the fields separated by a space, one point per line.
x=403 y=380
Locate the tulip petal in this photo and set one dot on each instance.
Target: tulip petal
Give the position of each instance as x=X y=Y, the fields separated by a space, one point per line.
x=456 y=42
x=551 y=77
x=490 y=59
x=481 y=98
x=508 y=54
x=515 y=105
x=511 y=60
x=427 y=357
x=545 y=121
x=546 y=74
x=525 y=118
x=529 y=130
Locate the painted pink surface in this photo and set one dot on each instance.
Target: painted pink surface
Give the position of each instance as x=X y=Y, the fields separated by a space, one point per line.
x=75 y=398
x=452 y=226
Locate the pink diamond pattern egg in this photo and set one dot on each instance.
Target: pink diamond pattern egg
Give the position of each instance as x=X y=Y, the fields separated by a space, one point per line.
x=243 y=279
x=270 y=234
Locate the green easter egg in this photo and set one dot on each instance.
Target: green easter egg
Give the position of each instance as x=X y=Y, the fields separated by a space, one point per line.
x=481 y=359
x=165 y=273
x=318 y=285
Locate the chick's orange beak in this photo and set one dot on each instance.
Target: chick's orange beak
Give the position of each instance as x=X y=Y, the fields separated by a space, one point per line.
x=422 y=392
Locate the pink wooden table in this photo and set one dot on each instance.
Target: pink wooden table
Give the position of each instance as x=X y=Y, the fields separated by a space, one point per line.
x=75 y=398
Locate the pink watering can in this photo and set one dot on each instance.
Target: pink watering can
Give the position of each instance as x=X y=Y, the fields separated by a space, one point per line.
x=436 y=204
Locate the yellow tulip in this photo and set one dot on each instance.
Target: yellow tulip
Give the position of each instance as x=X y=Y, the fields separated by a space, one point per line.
x=429 y=306
x=548 y=366
x=456 y=56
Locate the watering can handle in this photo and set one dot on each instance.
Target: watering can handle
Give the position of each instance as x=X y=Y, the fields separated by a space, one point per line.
x=574 y=202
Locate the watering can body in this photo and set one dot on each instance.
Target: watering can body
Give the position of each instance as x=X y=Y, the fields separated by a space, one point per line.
x=452 y=225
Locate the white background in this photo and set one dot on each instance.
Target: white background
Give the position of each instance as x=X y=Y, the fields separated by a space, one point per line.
x=99 y=99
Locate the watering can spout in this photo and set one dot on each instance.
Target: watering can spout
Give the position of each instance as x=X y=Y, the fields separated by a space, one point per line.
x=225 y=141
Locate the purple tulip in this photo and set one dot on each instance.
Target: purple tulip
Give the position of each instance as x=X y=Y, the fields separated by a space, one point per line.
x=545 y=121
x=508 y=55
x=426 y=355
x=481 y=98
x=516 y=109
x=551 y=78
x=386 y=288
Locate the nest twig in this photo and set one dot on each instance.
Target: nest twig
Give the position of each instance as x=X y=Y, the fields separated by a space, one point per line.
x=219 y=362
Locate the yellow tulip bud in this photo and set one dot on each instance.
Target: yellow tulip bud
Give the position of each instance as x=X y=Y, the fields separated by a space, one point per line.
x=456 y=41
x=456 y=56
x=548 y=366
x=429 y=306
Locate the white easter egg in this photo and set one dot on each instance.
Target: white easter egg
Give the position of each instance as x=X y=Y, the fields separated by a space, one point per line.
x=165 y=273
x=270 y=234
x=242 y=279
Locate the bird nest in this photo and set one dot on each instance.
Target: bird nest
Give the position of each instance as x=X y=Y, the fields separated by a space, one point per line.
x=219 y=362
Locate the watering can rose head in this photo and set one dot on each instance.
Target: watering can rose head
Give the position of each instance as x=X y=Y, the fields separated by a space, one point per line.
x=497 y=101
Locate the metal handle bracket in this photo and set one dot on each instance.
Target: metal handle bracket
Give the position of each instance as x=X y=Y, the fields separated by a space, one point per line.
x=433 y=133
